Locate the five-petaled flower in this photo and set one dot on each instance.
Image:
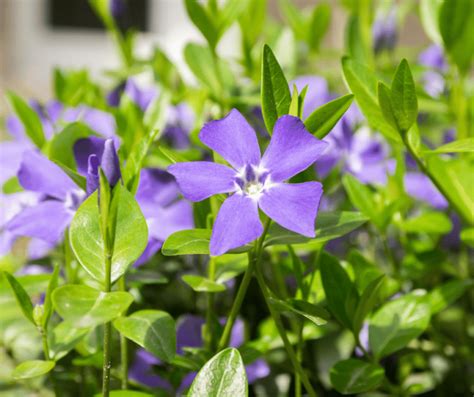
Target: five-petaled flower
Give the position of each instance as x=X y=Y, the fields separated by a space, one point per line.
x=254 y=181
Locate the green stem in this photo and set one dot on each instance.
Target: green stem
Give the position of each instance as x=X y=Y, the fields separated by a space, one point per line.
x=299 y=357
x=123 y=345
x=283 y=336
x=210 y=334
x=253 y=260
x=44 y=339
x=107 y=332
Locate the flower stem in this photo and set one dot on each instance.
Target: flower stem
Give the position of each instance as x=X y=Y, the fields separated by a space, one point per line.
x=254 y=259
x=123 y=345
x=107 y=332
x=210 y=334
x=281 y=330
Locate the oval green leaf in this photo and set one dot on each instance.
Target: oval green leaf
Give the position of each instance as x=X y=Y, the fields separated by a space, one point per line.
x=356 y=376
x=32 y=369
x=86 y=307
x=154 y=330
x=223 y=375
x=187 y=242
x=131 y=236
x=201 y=284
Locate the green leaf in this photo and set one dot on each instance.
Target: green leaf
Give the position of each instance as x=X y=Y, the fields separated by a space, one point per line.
x=467 y=236
x=404 y=100
x=223 y=375
x=323 y=119
x=296 y=19
x=154 y=330
x=356 y=376
x=456 y=25
x=48 y=306
x=61 y=147
x=314 y=313
x=367 y=302
x=12 y=185
x=32 y=369
x=318 y=25
x=329 y=226
x=361 y=197
x=385 y=103
x=187 y=242
x=201 y=284
x=63 y=338
x=428 y=222
x=78 y=179
x=131 y=235
x=396 y=323
x=460 y=146
x=444 y=295
x=203 y=21
x=131 y=171
x=455 y=177
x=21 y=296
x=276 y=97
x=28 y=117
x=155 y=117
x=341 y=294
x=126 y=393
x=86 y=307
x=363 y=83
x=429 y=15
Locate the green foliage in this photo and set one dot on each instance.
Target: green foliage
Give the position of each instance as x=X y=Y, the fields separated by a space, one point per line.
x=202 y=284
x=86 y=307
x=28 y=117
x=129 y=240
x=21 y=296
x=32 y=369
x=275 y=94
x=154 y=330
x=222 y=375
x=356 y=376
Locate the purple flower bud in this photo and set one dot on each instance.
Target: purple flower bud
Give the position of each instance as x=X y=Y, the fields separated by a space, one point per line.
x=433 y=57
x=110 y=163
x=113 y=97
x=117 y=8
x=384 y=32
x=92 y=178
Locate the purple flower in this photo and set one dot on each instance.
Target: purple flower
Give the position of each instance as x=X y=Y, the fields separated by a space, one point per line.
x=117 y=8
x=48 y=218
x=419 y=186
x=317 y=93
x=178 y=126
x=362 y=154
x=384 y=31
x=254 y=181
x=433 y=57
x=433 y=80
x=142 y=97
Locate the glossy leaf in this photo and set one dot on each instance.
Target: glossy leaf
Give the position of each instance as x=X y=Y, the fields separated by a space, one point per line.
x=363 y=83
x=276 y=97
x=341 y=295
x=446 y=294
x=322 y=120
x=63 y=338
x=186 y=242
x=131 y=235
x=21 y=296
x=203 y=21
x=48 y=305
x=367 y=302
x=154 y=330
x=314 y=313
x=32 y=369
x=356 y=376
x=404 y=100
x=460 y=146
x=29 y=118
x=428 y=222
x=201 y=284
x=86 y=307
x=396 y=323
x=223 y=375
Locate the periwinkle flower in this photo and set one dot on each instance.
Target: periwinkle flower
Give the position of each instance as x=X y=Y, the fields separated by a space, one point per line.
x=254 y=181
x=433 y=57
x=117 y=8
x=433 y=79
x=420 y=187
x=179 y=123
x=384 y=31
x=142 y=97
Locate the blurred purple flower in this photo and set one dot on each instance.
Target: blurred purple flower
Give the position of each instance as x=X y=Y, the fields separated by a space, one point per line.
x=117 y=8
x=433 y=79
x=384 y=31
x=433 y=57
x=178 y=126
x=165 y=213
x=419 y=186
x=142 y=97
x=254 y=181
x=317 y=93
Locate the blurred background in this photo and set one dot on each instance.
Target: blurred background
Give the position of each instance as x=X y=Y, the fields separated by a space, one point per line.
x=38 y=35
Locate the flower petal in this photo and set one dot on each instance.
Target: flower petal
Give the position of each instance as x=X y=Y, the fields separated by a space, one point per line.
x=110 y=163
x=419 y=186
x=151 y=249
x=233 y=138
x=83 y=148
x=293 y=206
x=39 y=174
x=199 y=180
x=157 y=188
x=166 y=221
x=46 y=221
x=292 y=149
x=237 y=224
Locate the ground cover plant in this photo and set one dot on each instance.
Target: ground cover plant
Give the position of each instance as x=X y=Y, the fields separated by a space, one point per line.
x=294 y=221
